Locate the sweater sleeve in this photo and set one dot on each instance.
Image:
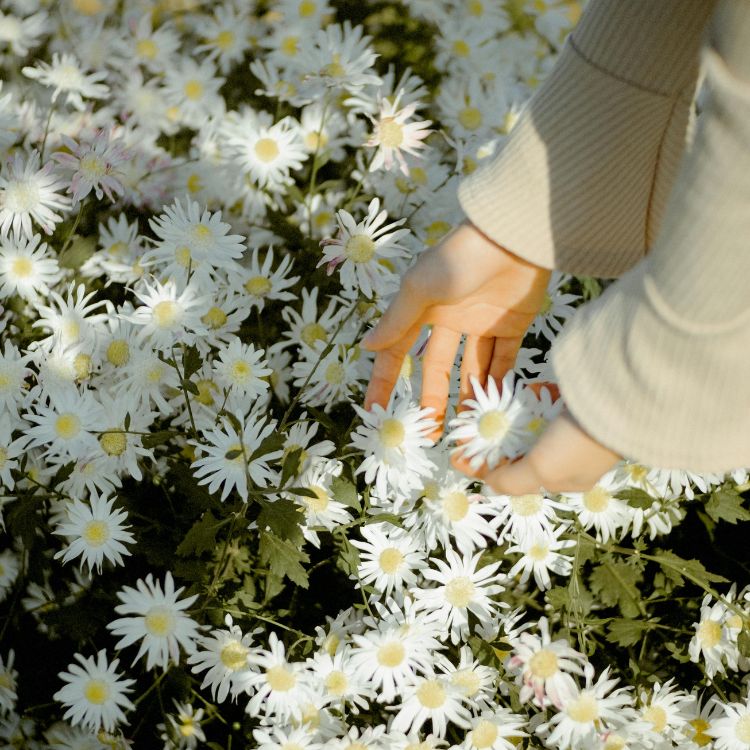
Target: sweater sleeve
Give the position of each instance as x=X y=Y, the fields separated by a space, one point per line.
x=657 y=367
x=581 y=181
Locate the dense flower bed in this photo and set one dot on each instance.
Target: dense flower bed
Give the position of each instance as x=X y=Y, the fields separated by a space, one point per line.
x=206 y=540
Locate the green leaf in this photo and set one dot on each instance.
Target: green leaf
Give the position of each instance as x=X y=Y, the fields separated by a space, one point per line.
x=234 y=453
x=343 y=491
x=726 y=505
x=615 y=583
x=676 y=567
x=191 y=387
x=274 y=442
x=558 y=598
x=283 y=517
x=636 y=498
x=284 y=558
x=290 y=468
x=191 y=361
x=126 y=424
x=623 y=632
x=23 y=520
x=155 y=438
x=201 y=537
x=385 y=518
x=302 y=491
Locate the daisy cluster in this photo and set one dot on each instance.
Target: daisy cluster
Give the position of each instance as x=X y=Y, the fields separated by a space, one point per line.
x=203 y=537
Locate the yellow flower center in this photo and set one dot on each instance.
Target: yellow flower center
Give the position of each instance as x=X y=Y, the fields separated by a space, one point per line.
x=735 y=622
x=194 y=184
x=3 y=457
x=147 y=48
x=701 y=738
x=319 y=503
x=315 y=140
x=159 y=621
x=468 y=680
x=391 y=654
x=390 y=133
x=336 y=683
x=470 y=118
x=459 y=592
x=657 y=716
x=709 y=633
x=183 y=256
x=359 y=248
x=280 y=678
x=742 y=729
x=82 y=366
x=258 y=286
x=193 y=90
x=165 y=313
x=334 y=69
x=88 y=7
x=543 y=664
x=205 y=391
x=583 y=709
x=93 y=165
x=335 y=373
x=67 y=426
x=312 y=333
x=535 y=425
x=538 y=551
x=214 y=318
x=527 y=505
x=6 y=681
x=155 y=374
x=113 y=443
x=96 y=533
x=461 y=48
x=306 y=8
x=436 y=231
x=475 y=7
x=390 y=559
x=431 y=694
x=392 y=433
x=224 y=39
x=234 y=656
x=493 y=425
x=596 y=499
x=22 y=267
x=484 y=734
x=456 y=505
x=96 y=692
x=266 y=149
x=240 y=371
x=290 y=46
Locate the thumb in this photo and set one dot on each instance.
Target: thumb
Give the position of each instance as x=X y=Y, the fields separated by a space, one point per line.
x=402 y=314
x=517 y=478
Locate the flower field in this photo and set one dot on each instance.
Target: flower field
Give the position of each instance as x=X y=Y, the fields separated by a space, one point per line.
x=205 y=539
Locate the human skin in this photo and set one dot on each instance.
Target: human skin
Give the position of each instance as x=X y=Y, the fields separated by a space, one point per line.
x=469 y=285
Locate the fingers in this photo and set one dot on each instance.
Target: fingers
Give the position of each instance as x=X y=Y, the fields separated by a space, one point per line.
x=564 y=459
x=504 y=355
x=386 y=369
x=402 y=314
x=476 y=363
x=437 y=365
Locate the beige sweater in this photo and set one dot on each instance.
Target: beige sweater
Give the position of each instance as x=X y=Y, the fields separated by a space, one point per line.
x=607 y=174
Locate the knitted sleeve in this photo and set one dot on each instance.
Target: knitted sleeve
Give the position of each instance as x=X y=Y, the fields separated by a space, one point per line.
x=657 y=367
x=581 y=182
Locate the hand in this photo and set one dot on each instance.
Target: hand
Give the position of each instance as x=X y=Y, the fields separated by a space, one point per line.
x=565 y=458
x=467 y=284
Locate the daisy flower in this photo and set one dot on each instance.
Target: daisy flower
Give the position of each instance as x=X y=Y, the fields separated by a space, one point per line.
x=9 y=567
x=94 y=166
x=28 y=192
x=224 y=655
x=66 y=76
x=10 y=450
x=156 y=617
x=732 y=730
x=169 y=313
x=153 y=49
x=541 y=554
x=492 y=426
x=258 y=282
x=27 y=268
x=13 y=374
x=543 y=667
x=556 y=308
x=477 y=682
x=364 y=251
x=23 y=34
x=183 y=728
x=519 y=517
x=329 y=379
x=309 y=326
x=243 y=369
x=495 y=729
x=226 y=34
x=286 y=738
x=193 y=88
x=600 y=509
x=342 y=684
x=431 y=698
x=8 y=677
x=460 y=588
x=393 y=441
x=714 y=642
x=667 y=710
x=145 y=378
x=229 y=461
x=95 y=531
x=390 y=557
x=586 y=713
x=300 y=436
x=281 y=687
x=95 y=693
x=393 y=135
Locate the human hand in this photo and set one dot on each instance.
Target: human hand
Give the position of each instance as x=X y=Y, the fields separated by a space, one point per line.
x=467 y=284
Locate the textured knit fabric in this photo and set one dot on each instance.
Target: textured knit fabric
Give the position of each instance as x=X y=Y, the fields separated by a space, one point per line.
x=657 y=367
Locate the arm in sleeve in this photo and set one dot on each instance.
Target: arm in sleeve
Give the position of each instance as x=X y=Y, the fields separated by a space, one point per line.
x=581 y=181
x=658 y=367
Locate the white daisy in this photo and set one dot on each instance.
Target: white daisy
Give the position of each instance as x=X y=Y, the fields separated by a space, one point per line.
x=460 y=588
x=23 y=34
x=156 y=617
x=193 y=88
x=95 y=693
x=28 y=192
x=258 y=282
x=540 y=554
x=476 y=681
x=309 y=326
x=496 y=729
x=491 y=426
x=365 y=250
x=13 y=374
x=393 y=441
x=9 y=568
x=556 y=308
x=243 y=369
x=521 y=516
x=10 y=450
x=226 y=34
x=667 y=710
x=183 y=728
x=27 y=268
x=714 y=641
x=8 y=684
x=66 y=76
x=732 y=731
x=343 y=685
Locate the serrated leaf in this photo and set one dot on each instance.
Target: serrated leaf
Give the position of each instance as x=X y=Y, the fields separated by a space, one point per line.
x=615 y=583
x=283 y=558
x=283 y=517
x=191 y=387
x=155 y=438
x=273 y=443
x=558 y=598
x=636 y=498
x=676 y=567
x=201 y=537
x=343 y=491
x=290 y=467
x=191 y=361
x=625 y=632
x=726 y=505
x=302 y=491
